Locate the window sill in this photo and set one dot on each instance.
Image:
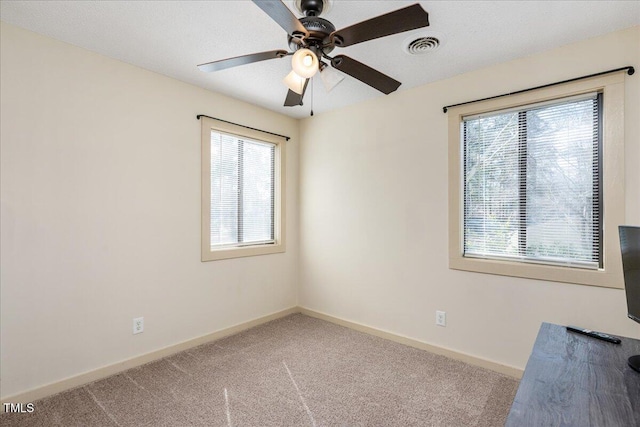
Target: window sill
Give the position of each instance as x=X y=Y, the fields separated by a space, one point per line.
x=239 y=252
x=602 y=278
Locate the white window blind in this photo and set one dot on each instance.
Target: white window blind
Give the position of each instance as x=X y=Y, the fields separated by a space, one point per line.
x=532 y=183
x=242 y=191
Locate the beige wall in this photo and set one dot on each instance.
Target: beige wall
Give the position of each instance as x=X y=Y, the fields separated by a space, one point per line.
x=373 y=215
x=100 y=187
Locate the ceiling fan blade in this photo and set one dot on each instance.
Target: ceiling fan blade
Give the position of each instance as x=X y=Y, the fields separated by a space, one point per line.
x=365 y=74
x=401 y=20
x=293 y=99
x=280 y=13
x=241 y=60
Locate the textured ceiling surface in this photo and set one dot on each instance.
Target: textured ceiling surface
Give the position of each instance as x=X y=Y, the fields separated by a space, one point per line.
x=173 y=37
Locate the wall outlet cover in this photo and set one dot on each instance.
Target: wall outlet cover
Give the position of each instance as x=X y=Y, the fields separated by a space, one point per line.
x=138 y=325
x=441 y=318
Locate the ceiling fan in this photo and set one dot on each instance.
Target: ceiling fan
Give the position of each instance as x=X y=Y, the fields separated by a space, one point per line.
x=311 y=40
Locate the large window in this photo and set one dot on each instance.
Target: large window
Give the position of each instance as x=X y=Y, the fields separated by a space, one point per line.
x=537 y=183
x=242 y=178
x=532 y=183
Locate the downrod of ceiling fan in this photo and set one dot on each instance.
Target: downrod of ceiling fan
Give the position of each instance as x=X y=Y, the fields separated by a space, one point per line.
x=312 y=7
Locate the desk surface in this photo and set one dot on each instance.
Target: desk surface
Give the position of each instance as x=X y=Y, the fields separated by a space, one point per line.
x=575 y=380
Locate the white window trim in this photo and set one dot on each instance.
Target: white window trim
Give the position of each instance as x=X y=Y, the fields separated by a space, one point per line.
x=208 y=254
x=610 y=275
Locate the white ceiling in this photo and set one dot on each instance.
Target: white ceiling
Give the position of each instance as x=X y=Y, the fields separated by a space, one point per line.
x=172 y=37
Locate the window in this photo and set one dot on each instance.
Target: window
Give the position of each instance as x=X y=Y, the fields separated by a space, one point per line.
x=531 y=183
x=242 y=198
x=537 y=183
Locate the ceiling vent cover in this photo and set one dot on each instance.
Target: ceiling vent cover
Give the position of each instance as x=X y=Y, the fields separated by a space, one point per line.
x=422 y=45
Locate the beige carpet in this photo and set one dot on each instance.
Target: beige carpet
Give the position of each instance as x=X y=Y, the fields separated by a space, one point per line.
x=295 y=371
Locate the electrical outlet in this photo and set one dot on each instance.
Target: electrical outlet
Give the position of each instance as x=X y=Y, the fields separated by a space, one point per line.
x=441 y=318
x=138 y=325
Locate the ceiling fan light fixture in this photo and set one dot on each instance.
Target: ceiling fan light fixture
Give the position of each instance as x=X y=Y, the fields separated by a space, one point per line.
x=295 y=82
x=330 y=77
x=305 y=63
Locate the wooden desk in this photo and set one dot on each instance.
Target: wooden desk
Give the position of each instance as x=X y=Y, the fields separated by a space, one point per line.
x=575 y=380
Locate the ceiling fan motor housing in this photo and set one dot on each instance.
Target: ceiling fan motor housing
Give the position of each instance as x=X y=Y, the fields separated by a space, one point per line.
x=319 y=39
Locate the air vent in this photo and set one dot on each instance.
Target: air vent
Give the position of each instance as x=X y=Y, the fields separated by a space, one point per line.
x=422 y=45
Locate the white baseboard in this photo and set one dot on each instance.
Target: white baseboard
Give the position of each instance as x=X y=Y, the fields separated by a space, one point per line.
x=453 y=354
x=100 y=373
x=106 y=371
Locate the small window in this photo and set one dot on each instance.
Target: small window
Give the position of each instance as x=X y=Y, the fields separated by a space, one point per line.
x=532 y=188
x=536 y=183
x=242 y=178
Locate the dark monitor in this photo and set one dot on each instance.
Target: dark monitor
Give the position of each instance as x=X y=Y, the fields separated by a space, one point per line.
x=630 y=247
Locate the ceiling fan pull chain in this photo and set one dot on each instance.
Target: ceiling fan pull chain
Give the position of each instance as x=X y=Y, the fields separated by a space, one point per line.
x=312 y=97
